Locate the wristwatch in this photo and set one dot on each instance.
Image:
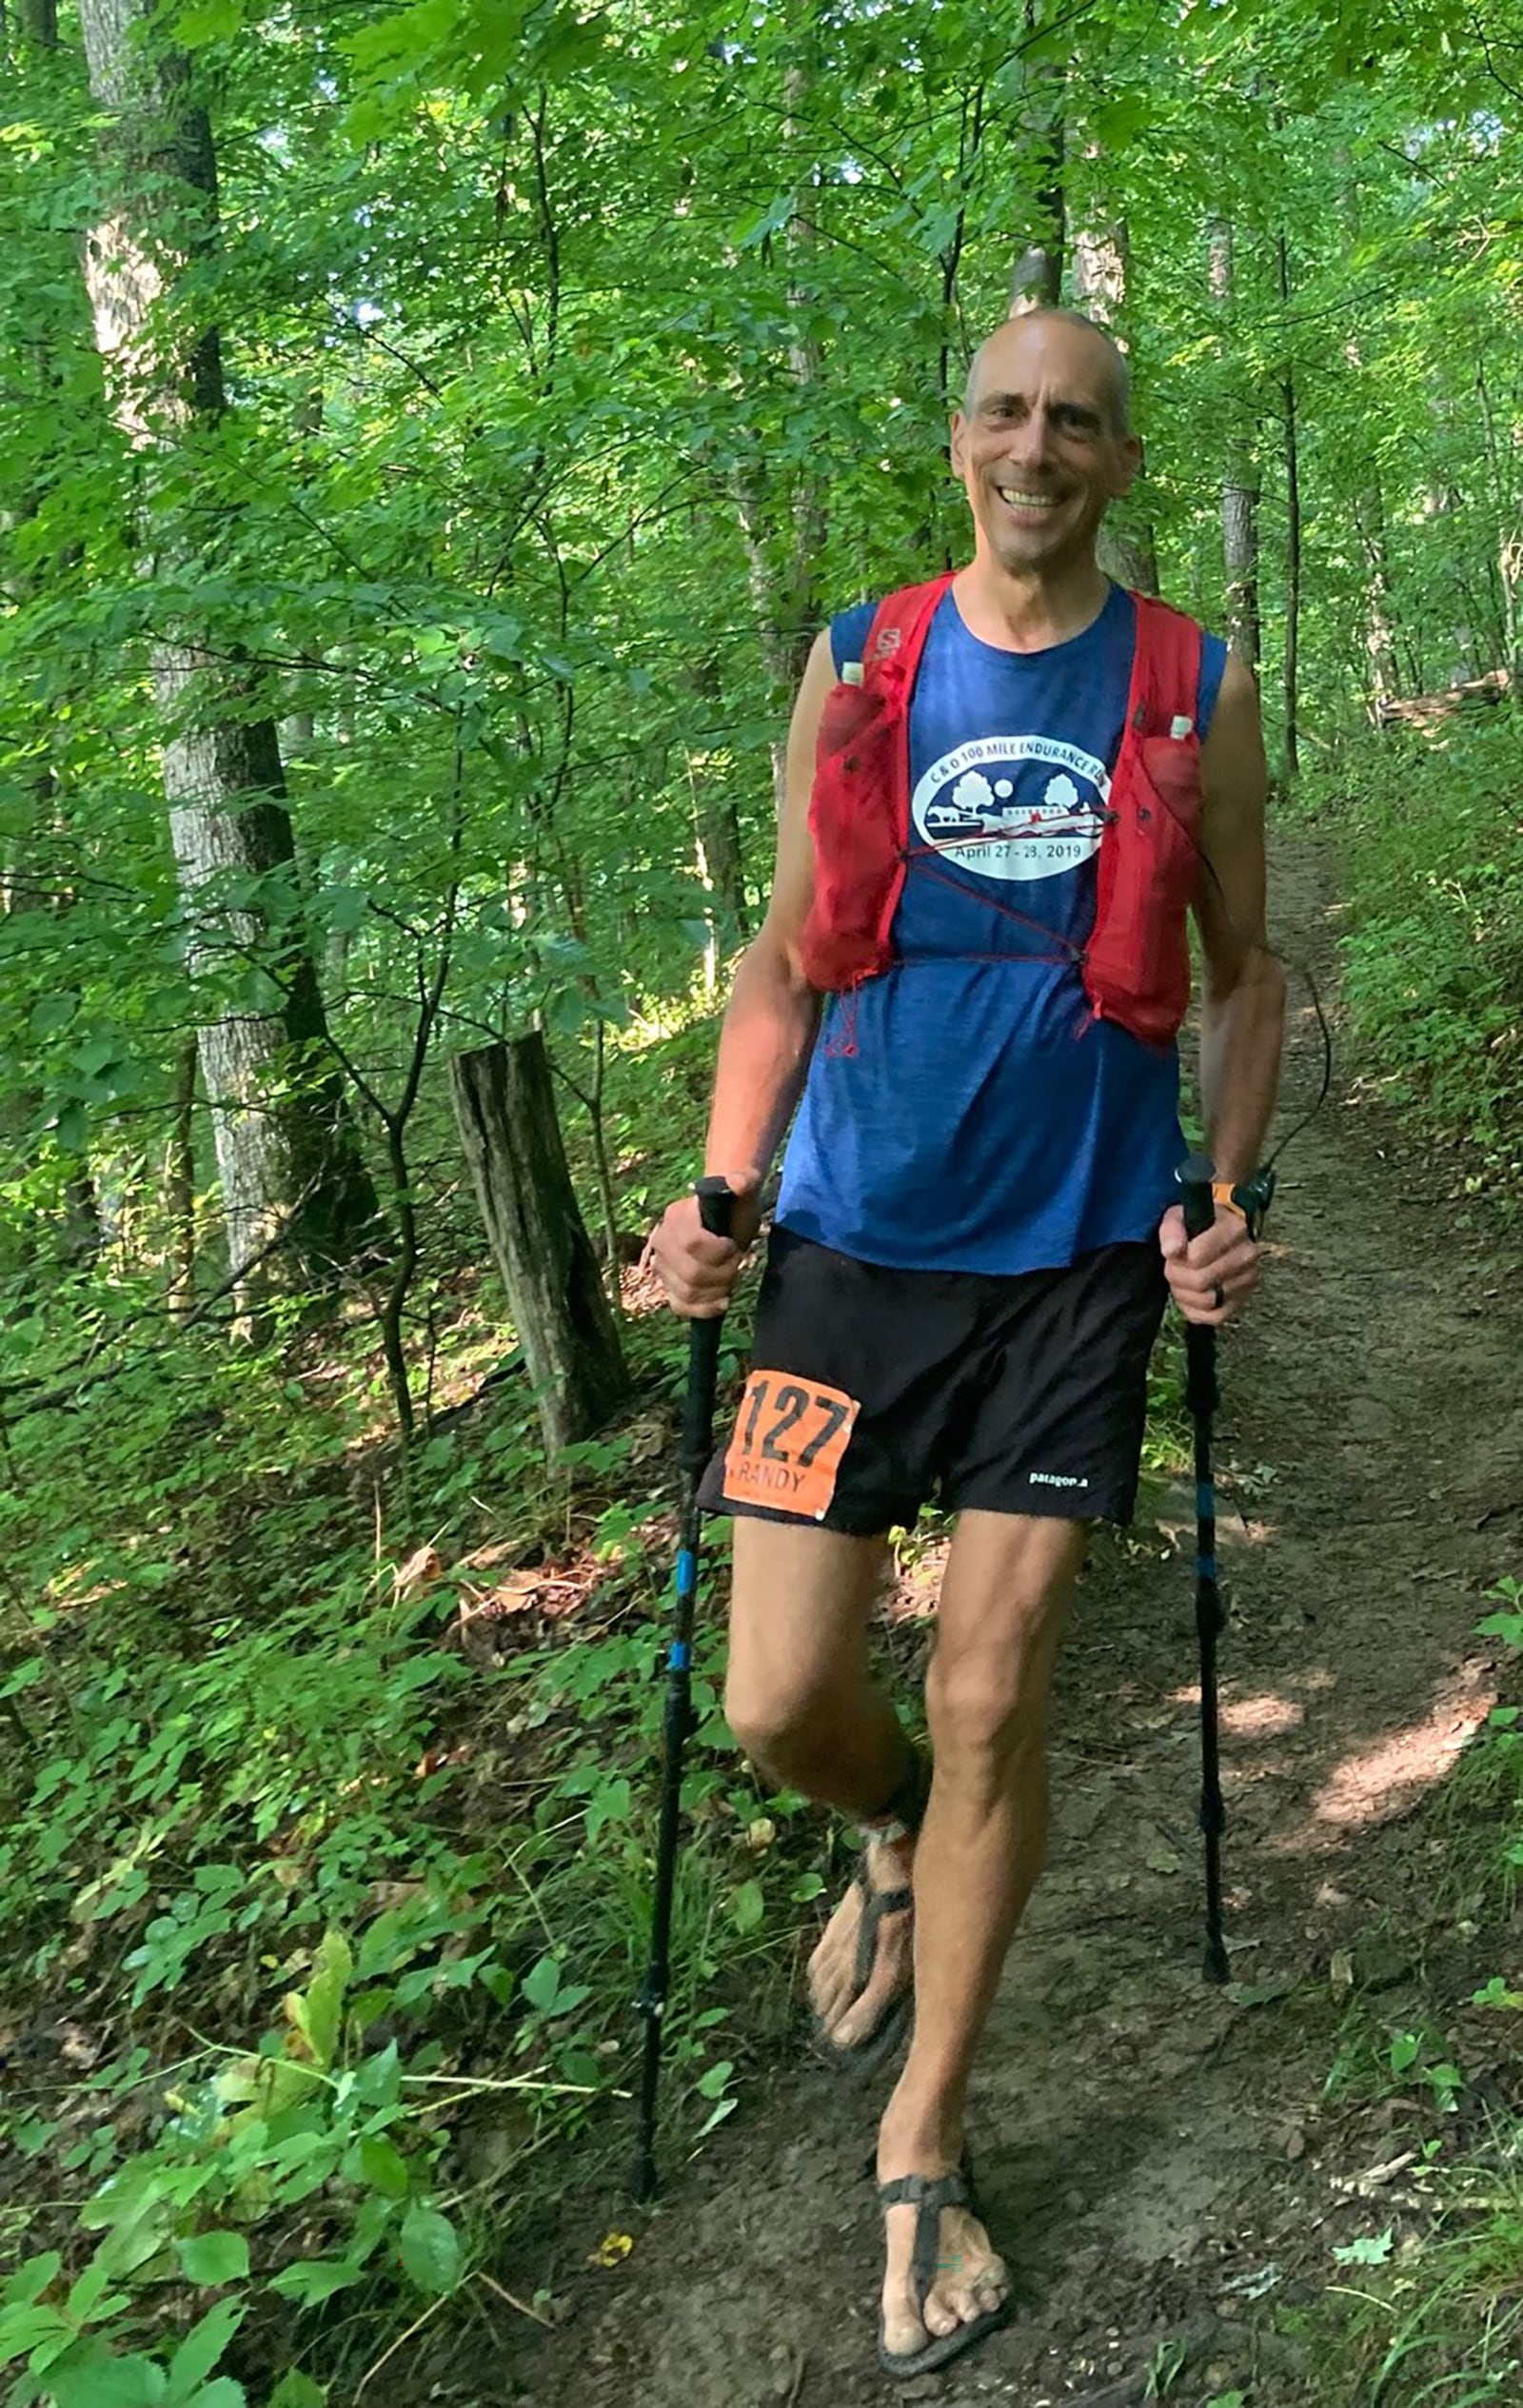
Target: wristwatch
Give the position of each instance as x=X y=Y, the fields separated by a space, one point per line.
x=1251 y=1198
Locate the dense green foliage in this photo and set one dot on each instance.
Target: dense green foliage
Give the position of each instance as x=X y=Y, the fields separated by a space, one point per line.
x=1430 y=844
x=577 y=364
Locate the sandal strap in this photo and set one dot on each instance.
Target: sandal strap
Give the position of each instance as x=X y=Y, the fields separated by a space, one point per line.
x=876 y=1905
x=928 y=2194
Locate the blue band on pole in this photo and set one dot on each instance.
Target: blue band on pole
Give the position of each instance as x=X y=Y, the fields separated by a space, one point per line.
x=686 y=1570
x=1205 y=1499
x=1205 y=1567
x=680 y=1657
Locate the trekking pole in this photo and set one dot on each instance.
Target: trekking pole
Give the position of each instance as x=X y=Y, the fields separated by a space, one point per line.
x=716 y=1205
x=1201 y=1396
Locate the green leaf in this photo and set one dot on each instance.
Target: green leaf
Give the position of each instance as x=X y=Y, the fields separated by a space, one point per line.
x=31 y=2280
x=541 y=1985
x=209 y=21
x=296 y=2390
x=23 y=2329
x=711 y=2083
x=88 y=2375
x=1372 y=2249
x=73 y=1129
x=207 y=2259
x=748 y=1905
x=200 y=2350
x=318 y=2011
x=316 y=2279
x=430 y=2249
x=51 y=1013
x=382 y=2167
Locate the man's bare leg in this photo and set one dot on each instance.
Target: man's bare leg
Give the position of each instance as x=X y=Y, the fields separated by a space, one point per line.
x=804 y=1707
x=1003 y=1604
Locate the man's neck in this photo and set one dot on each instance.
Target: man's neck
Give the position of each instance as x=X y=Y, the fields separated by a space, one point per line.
x=1026 y=613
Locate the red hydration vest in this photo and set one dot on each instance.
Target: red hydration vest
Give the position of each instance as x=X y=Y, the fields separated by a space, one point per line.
x=1136 y=967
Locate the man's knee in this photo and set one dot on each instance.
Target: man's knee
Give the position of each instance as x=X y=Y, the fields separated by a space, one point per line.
x=986 y=1701
x=781 y=1725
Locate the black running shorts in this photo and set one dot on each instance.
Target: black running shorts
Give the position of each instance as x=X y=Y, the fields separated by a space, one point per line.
x=874 y=1390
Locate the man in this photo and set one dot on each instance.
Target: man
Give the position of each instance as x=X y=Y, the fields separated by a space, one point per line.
x=974 y=1237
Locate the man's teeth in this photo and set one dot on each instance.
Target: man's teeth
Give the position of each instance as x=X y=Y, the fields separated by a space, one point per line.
x=1020 y=500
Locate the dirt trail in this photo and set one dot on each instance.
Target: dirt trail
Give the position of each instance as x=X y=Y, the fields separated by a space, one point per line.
x=1152 y=2152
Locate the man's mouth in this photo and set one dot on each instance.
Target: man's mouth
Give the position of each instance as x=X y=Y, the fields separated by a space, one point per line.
x=1018 y=498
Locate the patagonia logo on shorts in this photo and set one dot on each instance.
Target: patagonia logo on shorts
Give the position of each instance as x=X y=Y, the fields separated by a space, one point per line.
x=1056 y=1480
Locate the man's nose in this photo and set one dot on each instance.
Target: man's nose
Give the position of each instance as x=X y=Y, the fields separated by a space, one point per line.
x=1032 y=440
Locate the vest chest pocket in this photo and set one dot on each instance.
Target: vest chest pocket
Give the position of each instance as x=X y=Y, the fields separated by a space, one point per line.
x=1138 y=969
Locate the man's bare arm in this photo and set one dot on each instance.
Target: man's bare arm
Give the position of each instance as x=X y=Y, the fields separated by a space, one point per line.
x=1243 y=1008
x=765 y=1042
x=769 y=1027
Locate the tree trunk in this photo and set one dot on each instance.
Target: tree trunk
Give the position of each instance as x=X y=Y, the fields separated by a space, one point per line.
x=782 y=518
x=1239 y=480
x=506 y=1107
x=1126 y=549
x=1293 y=517
x=1036 y=257
x=180 y=1185
x=286 y=1153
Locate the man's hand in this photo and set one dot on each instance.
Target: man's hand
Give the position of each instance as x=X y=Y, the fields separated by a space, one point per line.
x=1212 y=1275
x=697 y=1270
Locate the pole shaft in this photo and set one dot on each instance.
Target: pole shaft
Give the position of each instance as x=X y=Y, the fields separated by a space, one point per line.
x=716 y=1206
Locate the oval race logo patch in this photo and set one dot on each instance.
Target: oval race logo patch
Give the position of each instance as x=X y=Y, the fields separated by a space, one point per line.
x=1013 y=807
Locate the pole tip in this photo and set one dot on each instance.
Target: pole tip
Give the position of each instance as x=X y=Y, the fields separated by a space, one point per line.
x=1216 y=1969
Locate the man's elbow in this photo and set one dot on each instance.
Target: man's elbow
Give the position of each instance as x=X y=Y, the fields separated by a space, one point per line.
x=773 y=964
x=1252 y=981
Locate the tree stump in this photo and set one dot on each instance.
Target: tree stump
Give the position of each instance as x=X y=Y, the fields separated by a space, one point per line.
x=504 y=1106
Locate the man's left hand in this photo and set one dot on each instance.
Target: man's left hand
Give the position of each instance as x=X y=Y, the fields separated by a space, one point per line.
x=1211 y=1276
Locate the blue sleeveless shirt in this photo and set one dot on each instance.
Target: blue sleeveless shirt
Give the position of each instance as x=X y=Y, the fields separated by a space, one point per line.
x=964 y=1112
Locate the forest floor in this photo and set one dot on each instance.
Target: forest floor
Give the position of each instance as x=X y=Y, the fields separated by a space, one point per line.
x=1165 y=2164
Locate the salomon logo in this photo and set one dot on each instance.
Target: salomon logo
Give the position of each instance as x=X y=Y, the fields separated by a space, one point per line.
x=1055 y=1480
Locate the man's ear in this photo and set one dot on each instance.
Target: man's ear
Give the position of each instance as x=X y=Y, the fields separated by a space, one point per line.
x=1133 y=461
x=959 y=445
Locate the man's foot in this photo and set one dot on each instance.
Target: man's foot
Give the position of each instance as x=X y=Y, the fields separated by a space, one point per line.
x=861 y=1973
x=931 y=2312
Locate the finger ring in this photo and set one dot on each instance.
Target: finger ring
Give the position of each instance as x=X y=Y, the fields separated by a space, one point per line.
x=1219 y=1296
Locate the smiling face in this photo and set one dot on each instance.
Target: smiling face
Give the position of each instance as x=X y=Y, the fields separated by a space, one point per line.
x=1041 y=445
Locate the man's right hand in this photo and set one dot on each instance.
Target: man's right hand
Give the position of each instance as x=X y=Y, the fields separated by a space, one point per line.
x=697 y=1270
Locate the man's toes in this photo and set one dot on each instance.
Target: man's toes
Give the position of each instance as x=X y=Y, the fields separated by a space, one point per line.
x=941 y=2315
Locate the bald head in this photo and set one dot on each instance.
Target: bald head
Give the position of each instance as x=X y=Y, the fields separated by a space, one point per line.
x=1116 y=376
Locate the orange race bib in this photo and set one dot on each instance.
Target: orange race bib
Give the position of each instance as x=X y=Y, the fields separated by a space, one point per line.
x=790 y=1435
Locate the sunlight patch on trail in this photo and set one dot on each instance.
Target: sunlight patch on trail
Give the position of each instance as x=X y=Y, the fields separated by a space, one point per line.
x=1385 y=1779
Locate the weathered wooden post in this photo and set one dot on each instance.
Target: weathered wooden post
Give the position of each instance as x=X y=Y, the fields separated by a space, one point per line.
x=504 y=1105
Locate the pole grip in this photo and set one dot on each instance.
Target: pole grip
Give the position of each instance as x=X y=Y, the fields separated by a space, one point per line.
x=716 y=1210
x=1195 y=1176
x=716 y=1205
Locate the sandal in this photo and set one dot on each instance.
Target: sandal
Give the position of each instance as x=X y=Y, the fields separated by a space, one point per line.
x=864 y=2056
x=928 y=2195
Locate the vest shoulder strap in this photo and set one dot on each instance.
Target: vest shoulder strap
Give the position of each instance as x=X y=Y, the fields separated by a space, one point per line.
x=900 y=619
x=1168 y=663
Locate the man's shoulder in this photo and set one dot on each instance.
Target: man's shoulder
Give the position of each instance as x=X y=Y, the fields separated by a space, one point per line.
x=872 y=629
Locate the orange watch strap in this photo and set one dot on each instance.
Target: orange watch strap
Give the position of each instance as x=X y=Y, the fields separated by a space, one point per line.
x=1224 y=1191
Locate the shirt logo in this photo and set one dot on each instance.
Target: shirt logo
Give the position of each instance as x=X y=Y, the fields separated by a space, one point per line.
x=1013 y=807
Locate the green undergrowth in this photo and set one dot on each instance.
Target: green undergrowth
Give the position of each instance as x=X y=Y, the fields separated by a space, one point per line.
x=328 y=1814
x=325 y=1864
x=1422 y=2302
x=1428 y=826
